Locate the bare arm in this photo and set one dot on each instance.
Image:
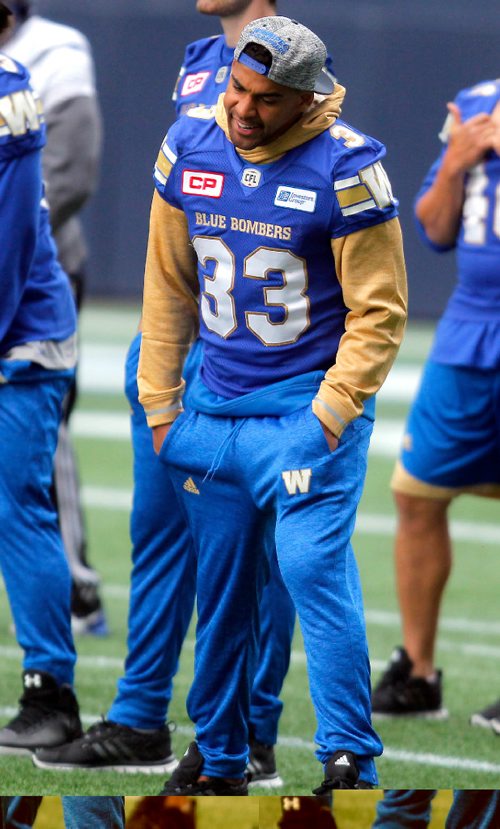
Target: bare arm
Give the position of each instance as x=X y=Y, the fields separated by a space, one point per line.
x=440 y=208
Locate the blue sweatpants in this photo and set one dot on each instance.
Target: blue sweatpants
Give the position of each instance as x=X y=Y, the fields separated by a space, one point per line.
x=411 y=809
x=235 y=477
x=79 y=812
x=32 y=559
x=163 y=584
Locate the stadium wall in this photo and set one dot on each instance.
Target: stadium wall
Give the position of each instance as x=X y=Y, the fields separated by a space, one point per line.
x=401 y=60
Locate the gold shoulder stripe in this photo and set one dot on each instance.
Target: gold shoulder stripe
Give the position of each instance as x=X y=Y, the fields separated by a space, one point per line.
x=163 y=164
x=353 y=195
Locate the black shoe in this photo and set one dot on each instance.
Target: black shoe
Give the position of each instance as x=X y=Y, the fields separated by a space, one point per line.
x=398 y=694
x=261 y=768
x=488 y=718
x=341 y=772
x=48 y=716
x=115 y=747
x=185 y=779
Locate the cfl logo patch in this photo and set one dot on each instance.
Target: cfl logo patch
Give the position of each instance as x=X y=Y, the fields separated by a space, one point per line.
x=297 y=480
x=194 y=83
x=197 y=183
x=251 y=177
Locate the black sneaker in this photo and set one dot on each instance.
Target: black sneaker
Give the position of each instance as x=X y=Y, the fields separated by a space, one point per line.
x=185 y=779
x=488 y=718
x=48 y=716
x=341 y=772
x=261 y=768
x=398 y=694
x=115 y=747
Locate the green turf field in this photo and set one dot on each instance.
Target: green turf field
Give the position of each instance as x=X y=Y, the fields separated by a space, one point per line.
x=417 y=754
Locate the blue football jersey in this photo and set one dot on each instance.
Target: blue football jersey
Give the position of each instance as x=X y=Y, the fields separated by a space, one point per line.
x=36 y=298
x=205 y=72
x=271 y=304
x=475 y=302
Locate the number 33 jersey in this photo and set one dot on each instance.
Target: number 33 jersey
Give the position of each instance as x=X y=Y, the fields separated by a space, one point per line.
x=271 y=301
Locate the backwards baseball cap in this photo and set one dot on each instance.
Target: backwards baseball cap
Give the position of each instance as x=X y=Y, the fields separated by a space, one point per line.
x=298 y=55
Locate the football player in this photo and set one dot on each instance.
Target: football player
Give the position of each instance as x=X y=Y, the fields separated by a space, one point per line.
x=59 y=60
x=452 y=432
x=134 y=736
x=37 y=365
x=281 y=217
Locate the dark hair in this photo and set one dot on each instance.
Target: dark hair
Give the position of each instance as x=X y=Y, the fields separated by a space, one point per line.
x=4 y=17
x=259 y=53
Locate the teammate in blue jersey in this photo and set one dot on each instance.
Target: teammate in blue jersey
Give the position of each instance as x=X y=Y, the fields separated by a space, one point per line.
x=134 y=736
x=452 y=434
x=411 y=809
x=37 y=360
x=281 y=217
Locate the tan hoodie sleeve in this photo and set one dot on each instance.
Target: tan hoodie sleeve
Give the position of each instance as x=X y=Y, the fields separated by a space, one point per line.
x=169 y=314
x=371 y=270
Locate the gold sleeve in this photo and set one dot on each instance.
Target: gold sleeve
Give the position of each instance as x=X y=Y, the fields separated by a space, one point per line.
x=371 y=269
x=169 y=313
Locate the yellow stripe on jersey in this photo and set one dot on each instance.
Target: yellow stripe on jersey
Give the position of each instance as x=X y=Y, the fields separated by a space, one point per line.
x=353 y=195
x=163 y=165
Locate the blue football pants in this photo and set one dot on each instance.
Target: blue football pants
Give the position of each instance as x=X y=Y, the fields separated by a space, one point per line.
x=243 y=471
x=32 y=558
x=79 y=812
x=411 y=809
x=163 y=585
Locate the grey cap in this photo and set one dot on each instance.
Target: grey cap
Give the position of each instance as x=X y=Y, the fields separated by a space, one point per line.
x=298 y=55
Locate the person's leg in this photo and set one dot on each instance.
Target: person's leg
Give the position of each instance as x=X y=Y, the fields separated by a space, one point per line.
x=316 y=493
x=94 y=812
x=205 y=466
x=163 y=579
x=423 y=561
x=404 y=809
x=450 y=446
x=34 y=567
x=474 y=809
x=21 y=812
x=277 y=622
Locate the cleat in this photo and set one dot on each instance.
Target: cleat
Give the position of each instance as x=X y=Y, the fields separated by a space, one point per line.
x=261 y=768
x=48 y=716
x=488 y=718
x=341 y=772
x=398 y=694
x=185 y=779
x=114 y=747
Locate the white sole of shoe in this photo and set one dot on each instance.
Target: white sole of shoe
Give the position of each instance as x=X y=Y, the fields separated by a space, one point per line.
x=162 y=768
x=483 y=722
x=267 y=783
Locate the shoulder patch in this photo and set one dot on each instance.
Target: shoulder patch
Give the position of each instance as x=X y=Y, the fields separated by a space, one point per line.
x=20 y=113
x=368 y=189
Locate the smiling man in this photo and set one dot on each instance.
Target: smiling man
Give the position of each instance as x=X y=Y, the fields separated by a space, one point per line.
x=280 y=217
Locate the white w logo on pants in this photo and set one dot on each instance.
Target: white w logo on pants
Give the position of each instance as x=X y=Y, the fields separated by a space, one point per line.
x=297 y=479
